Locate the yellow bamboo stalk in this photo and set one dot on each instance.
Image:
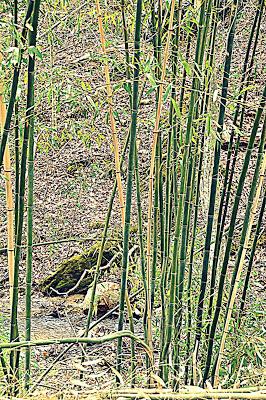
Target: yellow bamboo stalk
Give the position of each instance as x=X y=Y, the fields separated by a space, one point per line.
x=191 y=393
x=152 y=164
x=241 y=265
x=9 y=197
x=113 y=129
x=111 y=113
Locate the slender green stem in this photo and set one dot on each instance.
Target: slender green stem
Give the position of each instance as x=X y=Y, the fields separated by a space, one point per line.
x=214 y=181
x=251 y=259
x=228 y=179
x=30 y=105
x=131 y=159
x=231 y=232
x=14 y=335
x=15 y=80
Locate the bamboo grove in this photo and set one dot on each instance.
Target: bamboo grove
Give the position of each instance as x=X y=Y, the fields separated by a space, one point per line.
x=189 y=214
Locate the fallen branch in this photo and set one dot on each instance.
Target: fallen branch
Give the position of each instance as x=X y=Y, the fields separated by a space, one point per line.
x=77 y=340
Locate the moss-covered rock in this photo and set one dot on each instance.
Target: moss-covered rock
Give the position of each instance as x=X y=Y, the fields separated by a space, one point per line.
x=69 y=272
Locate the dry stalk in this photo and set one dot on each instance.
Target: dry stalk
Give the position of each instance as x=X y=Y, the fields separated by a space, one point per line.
x=111 y=113
x=113 y=129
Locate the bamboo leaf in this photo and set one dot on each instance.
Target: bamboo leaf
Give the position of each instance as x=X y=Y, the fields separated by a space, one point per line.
x=34 y=51
x=177 y=109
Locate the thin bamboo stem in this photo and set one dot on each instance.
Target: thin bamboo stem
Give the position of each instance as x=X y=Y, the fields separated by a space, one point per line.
x=111 y=113
x=180 y=197
x=15 y=80
x=231 y=232
x=9 y=199
x=240 y=265
x=14 y=335
x=190 y=396
x=251 y=259
x=10 y=219
x=76 y=340
x=151 y=175
x=214 y=181
x=131 y=165
x=223 y=208
x=31 y=104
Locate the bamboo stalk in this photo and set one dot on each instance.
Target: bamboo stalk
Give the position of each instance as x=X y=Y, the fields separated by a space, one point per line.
x=240 y=266
x=180 y=197
x=76 y=340
x=14 y=334
x=31 y=106
x=16 y=128
x=151 y=177
x=252 y=206
x=131 y=162
x=226 y=192
x=15 y=80
x=250 y=263
x=10 y=219
x=231 y=232
x=9 y=199
x=111 y=112
x=116 y=147
x=182 y=396
x=9 y=207
x=214 y=181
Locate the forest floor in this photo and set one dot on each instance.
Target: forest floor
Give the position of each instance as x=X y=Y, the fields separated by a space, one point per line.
x=73 y=181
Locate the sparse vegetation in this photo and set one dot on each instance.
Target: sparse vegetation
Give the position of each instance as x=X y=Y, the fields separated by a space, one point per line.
x=159 y=106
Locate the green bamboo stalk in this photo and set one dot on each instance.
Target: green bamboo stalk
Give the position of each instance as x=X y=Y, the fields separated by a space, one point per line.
x=16 y=164
x=247 y=69
x=155 y=225
x=76 y=340
x=249 y=205
x=251 y=259
x=14 y=334
x=231 y=232
x=182 y=264
x=181 y=197
x=16 y=127
x=30 y=105
x=14 y=87
x=251 y=210
x=104 y=237
x=191 y=256
x=205 y=126
x=137 y=180
x=127 y=53
x=214 y=181
x=157 y=43
x=131 y=159
x=169 y=177
x=141 y=242
x=103 y=241
x=158 y=172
